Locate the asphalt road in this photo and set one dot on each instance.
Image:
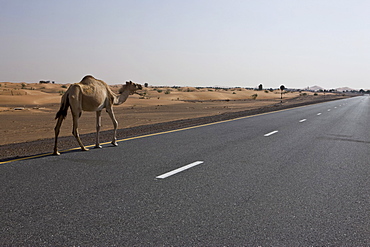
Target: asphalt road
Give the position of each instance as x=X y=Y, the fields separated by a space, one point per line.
x=298 y=177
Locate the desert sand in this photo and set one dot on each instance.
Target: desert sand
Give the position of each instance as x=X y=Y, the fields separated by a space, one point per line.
x=27 y=110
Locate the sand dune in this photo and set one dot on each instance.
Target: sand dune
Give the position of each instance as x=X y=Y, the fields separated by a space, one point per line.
x=34 y=93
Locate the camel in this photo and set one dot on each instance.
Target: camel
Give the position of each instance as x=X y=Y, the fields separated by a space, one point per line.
x=91 y=95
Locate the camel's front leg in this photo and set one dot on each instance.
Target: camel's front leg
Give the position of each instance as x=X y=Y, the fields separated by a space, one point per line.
x=98 y=125
x=75 y=130
x=115 y=124
x=57 y=130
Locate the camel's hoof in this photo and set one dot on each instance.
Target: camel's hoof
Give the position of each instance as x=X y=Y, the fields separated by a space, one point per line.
x=98 y=146
x=114 y=144
x=56 y=153
x=84 y=149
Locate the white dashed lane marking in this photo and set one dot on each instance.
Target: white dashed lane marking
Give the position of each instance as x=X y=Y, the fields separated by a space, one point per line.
x=168 y=174
x=271 y=133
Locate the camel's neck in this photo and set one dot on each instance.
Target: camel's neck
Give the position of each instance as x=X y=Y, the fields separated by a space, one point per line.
x=122 y=97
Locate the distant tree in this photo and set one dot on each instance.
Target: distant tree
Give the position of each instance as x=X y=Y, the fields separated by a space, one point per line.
x=260 y=87
x=146 y=84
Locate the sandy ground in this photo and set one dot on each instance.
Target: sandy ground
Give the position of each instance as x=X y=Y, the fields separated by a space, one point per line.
x=27 y=110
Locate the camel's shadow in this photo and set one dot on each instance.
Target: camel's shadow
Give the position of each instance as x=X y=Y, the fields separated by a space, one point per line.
x=8 y=160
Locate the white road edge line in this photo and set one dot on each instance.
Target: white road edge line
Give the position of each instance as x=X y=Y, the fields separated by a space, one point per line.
x=167 y=174
x=303 y=120
x=271 y=133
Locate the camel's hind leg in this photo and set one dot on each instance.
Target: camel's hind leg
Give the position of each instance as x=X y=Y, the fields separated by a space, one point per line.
x=115 y=124
x=98 y=125
x=76 y=116
x=57 y=130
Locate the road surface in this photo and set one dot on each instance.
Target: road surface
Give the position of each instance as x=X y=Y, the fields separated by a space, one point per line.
x=298 y=177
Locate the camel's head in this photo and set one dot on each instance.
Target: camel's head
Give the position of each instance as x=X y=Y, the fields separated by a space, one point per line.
x=132 y=87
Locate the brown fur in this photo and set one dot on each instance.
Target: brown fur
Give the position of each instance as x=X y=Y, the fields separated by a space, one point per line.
x=91 y=95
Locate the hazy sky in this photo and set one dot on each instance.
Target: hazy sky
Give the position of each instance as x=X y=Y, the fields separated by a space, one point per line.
x=188 y=42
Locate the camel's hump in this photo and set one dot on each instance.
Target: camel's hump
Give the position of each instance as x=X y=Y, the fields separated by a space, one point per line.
x=88 y=79
x=90 y=85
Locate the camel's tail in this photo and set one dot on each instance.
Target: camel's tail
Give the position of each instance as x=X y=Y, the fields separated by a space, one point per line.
x=63 y=107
